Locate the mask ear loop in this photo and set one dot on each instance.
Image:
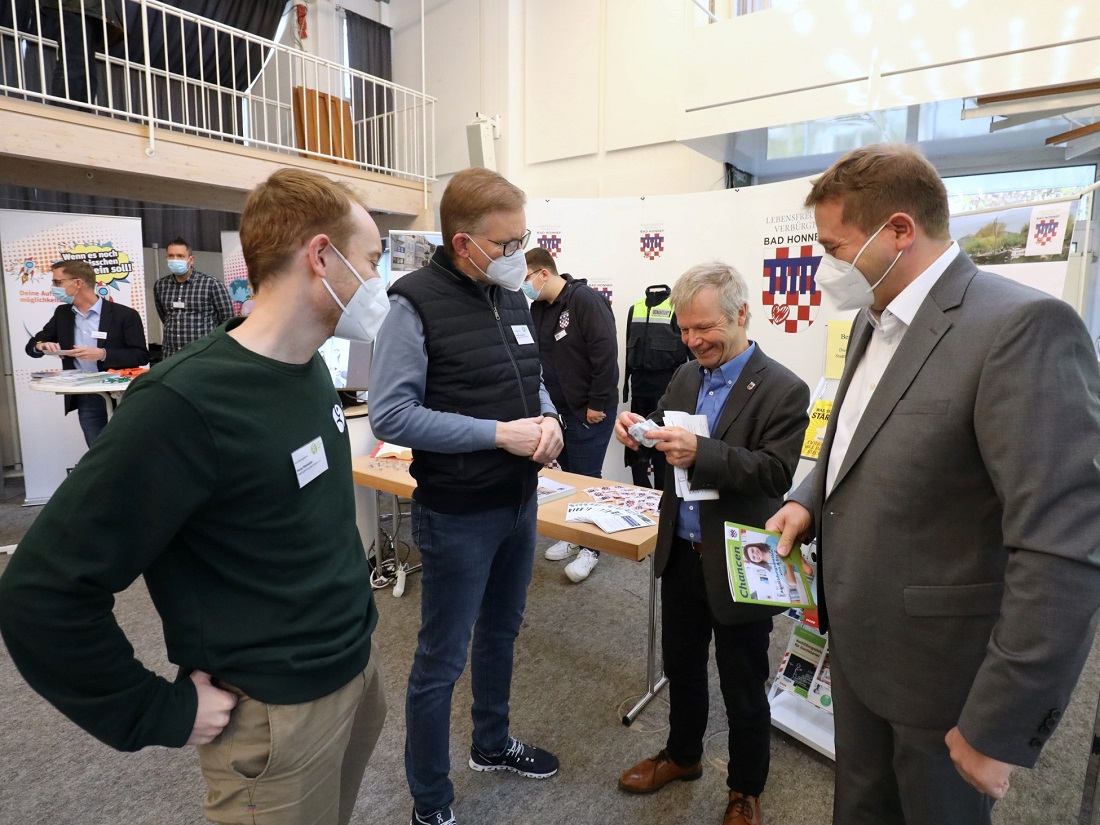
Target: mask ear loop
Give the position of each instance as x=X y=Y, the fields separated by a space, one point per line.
x=347 y=263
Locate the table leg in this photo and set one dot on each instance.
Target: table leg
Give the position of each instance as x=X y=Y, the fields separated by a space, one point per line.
x=654 y=682
x=386 y=558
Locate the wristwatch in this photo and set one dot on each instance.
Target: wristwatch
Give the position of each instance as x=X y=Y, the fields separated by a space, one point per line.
x=557 y=417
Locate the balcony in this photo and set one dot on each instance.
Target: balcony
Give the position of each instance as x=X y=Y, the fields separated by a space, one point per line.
x=146 y=100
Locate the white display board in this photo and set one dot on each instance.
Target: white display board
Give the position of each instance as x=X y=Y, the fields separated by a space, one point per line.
x=623 y=245
x=235 y=273
x=29 y=242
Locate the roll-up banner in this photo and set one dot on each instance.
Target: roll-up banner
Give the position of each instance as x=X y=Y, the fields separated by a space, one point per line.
x=52 y=442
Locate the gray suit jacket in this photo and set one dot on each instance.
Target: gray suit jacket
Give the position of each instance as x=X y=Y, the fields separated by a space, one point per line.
x=750 y=459
x=960 y=547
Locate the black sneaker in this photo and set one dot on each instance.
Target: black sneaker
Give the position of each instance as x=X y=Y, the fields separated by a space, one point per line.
x=444 y=816
x=526 y=760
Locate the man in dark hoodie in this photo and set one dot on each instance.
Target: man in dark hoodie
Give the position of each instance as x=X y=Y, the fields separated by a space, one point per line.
x=575 y=330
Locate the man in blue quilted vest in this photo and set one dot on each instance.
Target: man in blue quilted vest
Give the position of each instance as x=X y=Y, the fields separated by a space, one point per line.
x=457 y=378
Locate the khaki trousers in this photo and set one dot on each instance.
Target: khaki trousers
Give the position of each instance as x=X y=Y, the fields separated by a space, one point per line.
x=295 y=764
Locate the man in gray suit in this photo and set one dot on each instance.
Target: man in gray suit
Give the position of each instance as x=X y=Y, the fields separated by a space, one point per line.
x=956 y=504
x=756 y=412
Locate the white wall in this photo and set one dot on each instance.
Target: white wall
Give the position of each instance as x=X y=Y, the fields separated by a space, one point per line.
x=576 y=88
x=595 y=95
x=811 y=59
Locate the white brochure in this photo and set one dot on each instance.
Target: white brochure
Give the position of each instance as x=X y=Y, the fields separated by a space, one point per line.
x=698 y=425
x=607 y=517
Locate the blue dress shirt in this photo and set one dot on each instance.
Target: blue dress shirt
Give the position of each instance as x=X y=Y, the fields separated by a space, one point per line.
x=87 y=323
x=714 y=389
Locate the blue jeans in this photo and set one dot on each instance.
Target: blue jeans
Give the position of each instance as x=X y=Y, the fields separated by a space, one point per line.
x=586 y=445
x=91 y=410
x=477 y=567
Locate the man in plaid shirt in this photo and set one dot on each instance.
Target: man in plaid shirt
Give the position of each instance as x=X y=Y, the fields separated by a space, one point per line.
x=189 y=303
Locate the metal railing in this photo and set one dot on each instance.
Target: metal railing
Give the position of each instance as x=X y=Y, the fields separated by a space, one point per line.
x=145 y=61
x=714 y=11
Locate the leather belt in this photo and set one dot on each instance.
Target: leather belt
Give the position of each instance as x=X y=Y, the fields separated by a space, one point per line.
x=694 y=545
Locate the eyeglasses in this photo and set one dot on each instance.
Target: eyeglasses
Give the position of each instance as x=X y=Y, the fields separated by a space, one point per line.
x=512 y=247
x=56 y=282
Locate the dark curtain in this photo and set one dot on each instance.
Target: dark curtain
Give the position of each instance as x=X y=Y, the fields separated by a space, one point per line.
x=234 y=69
x=201 y=228
x=214 y=57
x=370 y=50
x=174 y=46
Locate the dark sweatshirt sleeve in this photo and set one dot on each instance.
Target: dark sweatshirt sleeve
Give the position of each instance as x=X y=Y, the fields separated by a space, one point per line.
x=597 y=323
x=111 y=518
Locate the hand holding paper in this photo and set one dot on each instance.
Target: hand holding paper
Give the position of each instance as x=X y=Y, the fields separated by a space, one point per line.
x=679 y=445
x=695 y=425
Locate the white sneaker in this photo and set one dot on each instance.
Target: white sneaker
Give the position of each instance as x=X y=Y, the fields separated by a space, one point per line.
x=560 y=550
x=578 y=569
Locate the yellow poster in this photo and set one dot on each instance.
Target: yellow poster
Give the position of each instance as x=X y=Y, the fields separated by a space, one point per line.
x=835 y=348
x=815 y=433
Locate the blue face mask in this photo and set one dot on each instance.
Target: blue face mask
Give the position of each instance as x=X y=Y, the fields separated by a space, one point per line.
x=177 y=267
x=530 y=291
x=60 y=294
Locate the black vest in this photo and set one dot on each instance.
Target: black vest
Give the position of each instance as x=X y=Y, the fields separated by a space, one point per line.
x=477 y=368
x=653 y=338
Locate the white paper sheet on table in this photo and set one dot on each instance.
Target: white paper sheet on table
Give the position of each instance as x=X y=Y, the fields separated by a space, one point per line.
x=698 y=425
x=608 y=517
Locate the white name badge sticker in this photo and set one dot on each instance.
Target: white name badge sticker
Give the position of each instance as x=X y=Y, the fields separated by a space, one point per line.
x=99 y=336
x=177 y=305
x=309 y=461
x=523 y=334
x=561 y=333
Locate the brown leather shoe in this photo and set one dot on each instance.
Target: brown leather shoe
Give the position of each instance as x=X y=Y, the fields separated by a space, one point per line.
x=743 y=810
x=654 y=773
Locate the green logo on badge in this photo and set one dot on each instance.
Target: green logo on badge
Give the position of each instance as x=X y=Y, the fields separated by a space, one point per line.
x=313 y=447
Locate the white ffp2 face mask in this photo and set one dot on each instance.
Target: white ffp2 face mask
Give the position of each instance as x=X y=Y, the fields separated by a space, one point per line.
x=507 y=271
x=844 y=283
x=366 y=310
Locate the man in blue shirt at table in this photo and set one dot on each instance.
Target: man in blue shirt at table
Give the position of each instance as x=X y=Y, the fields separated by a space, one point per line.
x=98 y=335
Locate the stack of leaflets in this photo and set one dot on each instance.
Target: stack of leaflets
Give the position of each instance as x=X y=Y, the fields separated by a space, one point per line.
x=386 y=450
x=607 y=517
x=640 y=499
x=550 y=490
x=759 y=575
x=802 y=661
x=75 y=378
x=815 y=432
x=821 y=688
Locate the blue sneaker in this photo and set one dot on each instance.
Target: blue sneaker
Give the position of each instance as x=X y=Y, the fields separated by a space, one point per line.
x=526 y=760
x=444 y=816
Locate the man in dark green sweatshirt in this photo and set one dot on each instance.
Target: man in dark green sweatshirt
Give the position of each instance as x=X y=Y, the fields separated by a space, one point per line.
x=225 y=480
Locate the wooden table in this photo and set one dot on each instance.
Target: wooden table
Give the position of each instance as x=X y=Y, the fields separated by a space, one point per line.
x=391 y=476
